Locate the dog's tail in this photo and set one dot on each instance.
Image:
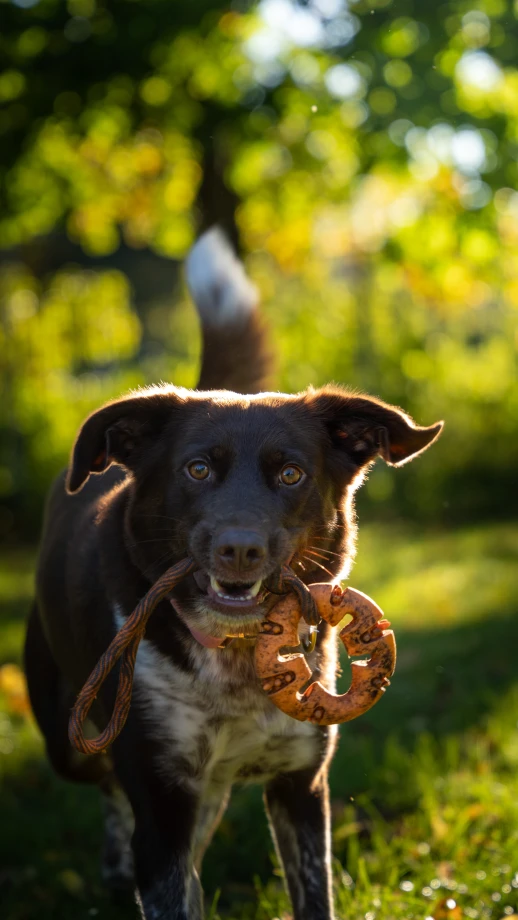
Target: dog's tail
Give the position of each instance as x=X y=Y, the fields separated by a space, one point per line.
x=235 y=352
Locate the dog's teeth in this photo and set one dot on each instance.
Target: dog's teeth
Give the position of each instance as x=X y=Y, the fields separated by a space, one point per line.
x=215 y=585
x=220 y=591
x=254 y=590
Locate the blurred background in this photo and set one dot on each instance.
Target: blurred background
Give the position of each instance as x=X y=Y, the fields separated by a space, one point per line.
x=362 y=156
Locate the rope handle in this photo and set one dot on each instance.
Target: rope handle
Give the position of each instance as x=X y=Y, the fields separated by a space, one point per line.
x=285 y=581
x=124 y=645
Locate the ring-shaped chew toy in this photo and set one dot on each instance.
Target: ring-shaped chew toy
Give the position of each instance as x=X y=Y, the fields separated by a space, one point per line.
x=286 y=677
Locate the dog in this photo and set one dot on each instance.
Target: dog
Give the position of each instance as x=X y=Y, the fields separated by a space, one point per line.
x=242 y=481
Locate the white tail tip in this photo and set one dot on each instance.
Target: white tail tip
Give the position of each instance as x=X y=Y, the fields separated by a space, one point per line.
x=217 y=280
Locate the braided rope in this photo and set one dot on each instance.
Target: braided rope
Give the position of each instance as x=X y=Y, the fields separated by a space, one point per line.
x=125 y=646
x=286 y=580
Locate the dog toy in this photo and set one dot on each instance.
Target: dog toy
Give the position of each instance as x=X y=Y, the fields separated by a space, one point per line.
x=287 y=678
x=283 y=671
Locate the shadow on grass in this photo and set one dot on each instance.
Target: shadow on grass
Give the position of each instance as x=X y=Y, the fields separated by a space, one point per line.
x=50 y=850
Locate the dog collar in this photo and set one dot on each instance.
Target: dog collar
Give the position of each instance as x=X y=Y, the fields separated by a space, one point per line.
x=207 y=641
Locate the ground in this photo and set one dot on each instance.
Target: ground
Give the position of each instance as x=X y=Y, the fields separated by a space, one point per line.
x=425 y=787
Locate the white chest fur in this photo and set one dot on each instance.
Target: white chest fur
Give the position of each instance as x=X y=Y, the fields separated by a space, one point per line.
x=214 y=724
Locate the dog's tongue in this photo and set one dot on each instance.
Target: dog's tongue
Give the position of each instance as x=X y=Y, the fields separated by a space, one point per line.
x=201 y=637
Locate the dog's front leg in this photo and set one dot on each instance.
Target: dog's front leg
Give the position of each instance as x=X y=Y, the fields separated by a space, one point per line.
x=174 y=893
x=168 y=887
x=298 y=808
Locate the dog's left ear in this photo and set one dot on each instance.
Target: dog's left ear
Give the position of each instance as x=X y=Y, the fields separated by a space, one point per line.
x=121 y=432
x=365 y=428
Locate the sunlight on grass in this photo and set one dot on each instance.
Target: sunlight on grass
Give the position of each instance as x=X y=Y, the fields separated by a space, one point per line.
x=425 y=786
x=438 y=580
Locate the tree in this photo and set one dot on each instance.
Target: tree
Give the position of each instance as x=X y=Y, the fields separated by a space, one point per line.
x=361 y=156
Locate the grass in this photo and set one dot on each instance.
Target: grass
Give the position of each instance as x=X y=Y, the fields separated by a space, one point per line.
x=425 y=786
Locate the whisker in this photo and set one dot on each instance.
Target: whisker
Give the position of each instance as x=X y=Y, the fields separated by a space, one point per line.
x=297 y=561
x=330 y=525
x=295 y=558
x=328 y=552
x=313 y=552
x=164 y=558
x=329 y=538
x=314 y=562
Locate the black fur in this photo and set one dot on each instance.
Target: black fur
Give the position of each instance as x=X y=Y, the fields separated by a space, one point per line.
x=199 y=720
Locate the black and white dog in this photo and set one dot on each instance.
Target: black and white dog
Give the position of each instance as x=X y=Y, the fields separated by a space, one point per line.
x=242 y=484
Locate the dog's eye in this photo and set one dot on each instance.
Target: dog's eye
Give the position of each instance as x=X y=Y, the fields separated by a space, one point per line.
x=198 y=469
x=290 y=475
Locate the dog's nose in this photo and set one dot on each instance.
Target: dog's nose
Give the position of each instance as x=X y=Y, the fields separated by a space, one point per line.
x=240 y=550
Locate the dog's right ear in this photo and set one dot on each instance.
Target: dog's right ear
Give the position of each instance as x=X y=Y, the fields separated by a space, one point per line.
x=119 y=433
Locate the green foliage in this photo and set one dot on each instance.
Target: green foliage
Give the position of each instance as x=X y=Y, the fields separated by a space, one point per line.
x=425 y=786
x=56 y=342
x=367 y=156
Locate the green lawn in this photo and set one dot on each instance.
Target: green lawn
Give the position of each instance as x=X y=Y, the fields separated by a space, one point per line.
x=425 y=786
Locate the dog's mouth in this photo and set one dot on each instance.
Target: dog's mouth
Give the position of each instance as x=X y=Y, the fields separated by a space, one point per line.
x=232 y=593
x=226 y=595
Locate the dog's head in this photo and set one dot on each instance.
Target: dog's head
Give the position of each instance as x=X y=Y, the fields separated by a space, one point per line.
x=243 y=484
